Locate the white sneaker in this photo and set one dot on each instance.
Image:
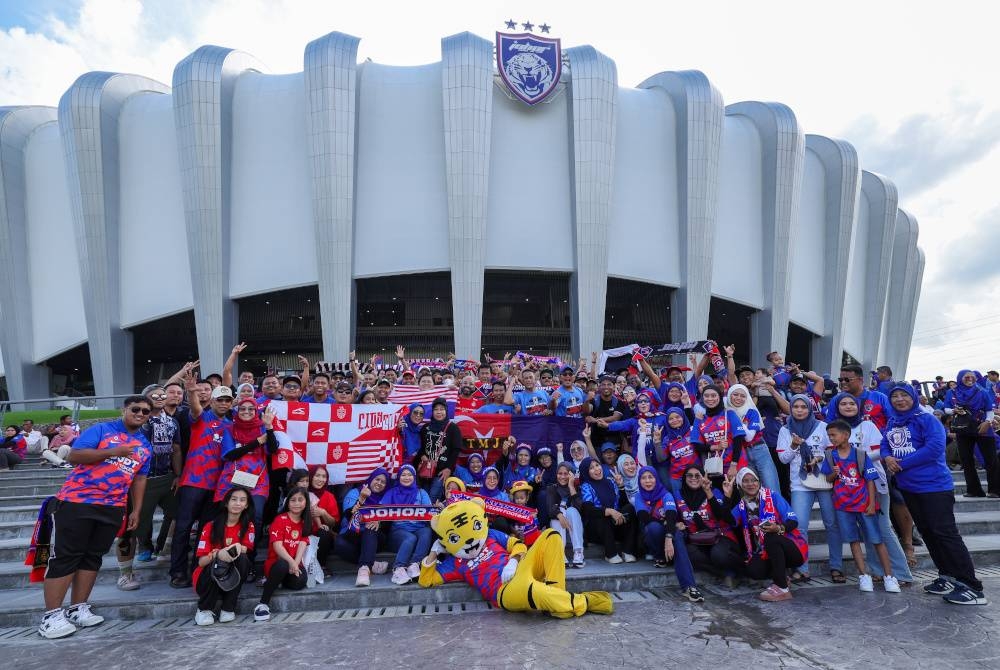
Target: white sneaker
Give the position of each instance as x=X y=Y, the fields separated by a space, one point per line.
x=400 y=576
x=364 y=576
x=261 y=612
x=380 y=567
x=578 y=561
x=226 y=617
x=128 y=582
x=56 y=625
x=615 y=560
x=204 y=618
x=81 y=616
x=413 y=571
x=865 y=583
x=891 y=584
x=629 y=558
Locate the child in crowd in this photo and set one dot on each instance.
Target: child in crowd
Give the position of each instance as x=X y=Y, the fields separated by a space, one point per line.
x=520 y=493
x=226 y=540
x=856 y=502
x=287 y=546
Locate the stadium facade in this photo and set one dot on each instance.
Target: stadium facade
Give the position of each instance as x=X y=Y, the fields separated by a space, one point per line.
x=360 y=205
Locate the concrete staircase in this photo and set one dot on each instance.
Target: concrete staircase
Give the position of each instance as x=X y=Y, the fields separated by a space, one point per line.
x=22 y=491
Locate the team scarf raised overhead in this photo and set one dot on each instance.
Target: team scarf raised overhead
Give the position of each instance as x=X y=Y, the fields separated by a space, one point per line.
x=629 y=355
x=371 y=513
x=541 y=360
x=497 y=507
x=350 y=440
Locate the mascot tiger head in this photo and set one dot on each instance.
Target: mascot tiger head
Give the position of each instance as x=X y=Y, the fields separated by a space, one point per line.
x=529 y=72
x=462 y=528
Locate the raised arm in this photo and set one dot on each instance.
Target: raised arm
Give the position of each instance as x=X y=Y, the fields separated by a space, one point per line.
x=227 y=369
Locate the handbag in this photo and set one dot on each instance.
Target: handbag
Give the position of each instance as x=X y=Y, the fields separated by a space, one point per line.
x=815 y=482
x=964 y=424
x=705 y=538
x=713 y=465
x=226 y=576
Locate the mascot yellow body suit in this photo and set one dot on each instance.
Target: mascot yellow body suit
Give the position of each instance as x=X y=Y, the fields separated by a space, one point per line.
x=501 y=568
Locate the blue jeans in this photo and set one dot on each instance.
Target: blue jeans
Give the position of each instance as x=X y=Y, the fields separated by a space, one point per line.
x=897 y=559
x=760 y=460
x=258 y=523
x=410 y=546
x=802 y=502
x=434 y=488
x=654 y=534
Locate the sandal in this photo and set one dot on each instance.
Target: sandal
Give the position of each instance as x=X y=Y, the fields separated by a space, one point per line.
x=799 y=578
x=837 y=577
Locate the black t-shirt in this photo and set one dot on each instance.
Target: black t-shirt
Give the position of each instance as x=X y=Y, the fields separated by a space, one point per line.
x=602 y=409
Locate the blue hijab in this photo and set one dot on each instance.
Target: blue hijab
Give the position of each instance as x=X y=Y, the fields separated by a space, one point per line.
x=665 y=395
x=671 y=434
x=477 y=477
x=896 y=418
x=487 y=492
x=804 y=427
x=403 y=495
x=855 y=420
x=649 y=498
x=604 y=488
x=973 y=398
x=376 y=498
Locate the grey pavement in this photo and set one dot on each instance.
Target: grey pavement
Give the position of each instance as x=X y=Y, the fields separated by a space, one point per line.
x=823 y=627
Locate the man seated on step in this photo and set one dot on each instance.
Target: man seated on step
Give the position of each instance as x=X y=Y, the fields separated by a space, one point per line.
x=111 y=459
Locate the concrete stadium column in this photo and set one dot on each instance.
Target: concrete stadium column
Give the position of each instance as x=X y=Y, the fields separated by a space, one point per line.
x=882 y=199
x=331 y=77
x=700 y=114
x=593 y=89
x=467 y=100
x=24 y=378
x=88 y=123
x=203 y=86
x=898 y=306
x=782 y=157
x=843 y=189
x=911 y=319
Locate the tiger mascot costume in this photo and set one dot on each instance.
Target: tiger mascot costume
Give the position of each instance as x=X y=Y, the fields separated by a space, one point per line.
x=501 y=568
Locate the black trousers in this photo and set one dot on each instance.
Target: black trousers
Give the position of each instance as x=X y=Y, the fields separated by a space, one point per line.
x=781 y=555
x=934 y=515
x=601 y=529
x=278 y=479
x=211 y=597
x=280 y=576
x=966 y=454
x=721 y=558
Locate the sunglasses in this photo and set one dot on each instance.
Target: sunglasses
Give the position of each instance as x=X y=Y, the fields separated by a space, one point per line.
x=140 y=410
x=292 y=387
x=692 y=476
x=158 y=396
x=845 y=379
x=224 y=398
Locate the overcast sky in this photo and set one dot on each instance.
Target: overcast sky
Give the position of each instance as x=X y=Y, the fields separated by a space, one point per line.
x=913 y=85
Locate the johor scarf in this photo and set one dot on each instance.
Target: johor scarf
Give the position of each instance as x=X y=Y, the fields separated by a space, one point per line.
x=757 y=512
x=38 y=551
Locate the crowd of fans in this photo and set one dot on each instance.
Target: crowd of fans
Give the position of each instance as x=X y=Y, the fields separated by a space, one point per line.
x=711 y=472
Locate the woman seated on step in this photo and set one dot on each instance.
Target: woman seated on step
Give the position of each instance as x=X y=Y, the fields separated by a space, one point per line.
x=222 y=549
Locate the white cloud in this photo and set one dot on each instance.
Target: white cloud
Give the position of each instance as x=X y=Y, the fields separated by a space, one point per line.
x=928 y=117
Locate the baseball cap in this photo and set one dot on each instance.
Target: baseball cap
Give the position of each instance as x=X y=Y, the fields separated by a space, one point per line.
x=342 y=386
x=568 y=368
x=797 y=378
x=222 y=392
x=609 y=446
x=383 y=382
x=408 y=372
x=291 y=378
x=520 y=485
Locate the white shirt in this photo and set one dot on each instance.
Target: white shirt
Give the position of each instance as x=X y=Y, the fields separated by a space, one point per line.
x=817 y=443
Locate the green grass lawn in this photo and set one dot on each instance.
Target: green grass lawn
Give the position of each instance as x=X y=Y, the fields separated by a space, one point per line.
x=45 y=416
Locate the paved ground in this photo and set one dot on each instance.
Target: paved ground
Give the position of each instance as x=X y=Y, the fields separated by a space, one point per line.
x=829 y=627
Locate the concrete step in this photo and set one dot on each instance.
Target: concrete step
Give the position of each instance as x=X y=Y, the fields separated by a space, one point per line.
x=22 y=607
x=30 y=490
x=8 y=500
x=985 y=551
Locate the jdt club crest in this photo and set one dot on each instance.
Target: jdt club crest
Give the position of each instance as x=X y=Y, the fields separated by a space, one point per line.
x=529 y=65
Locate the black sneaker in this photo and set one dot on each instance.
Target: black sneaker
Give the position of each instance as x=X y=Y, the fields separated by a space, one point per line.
x=693 y=594
x=939 y=587
x=180 y=583
x=251 y=576
x=963 y=595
